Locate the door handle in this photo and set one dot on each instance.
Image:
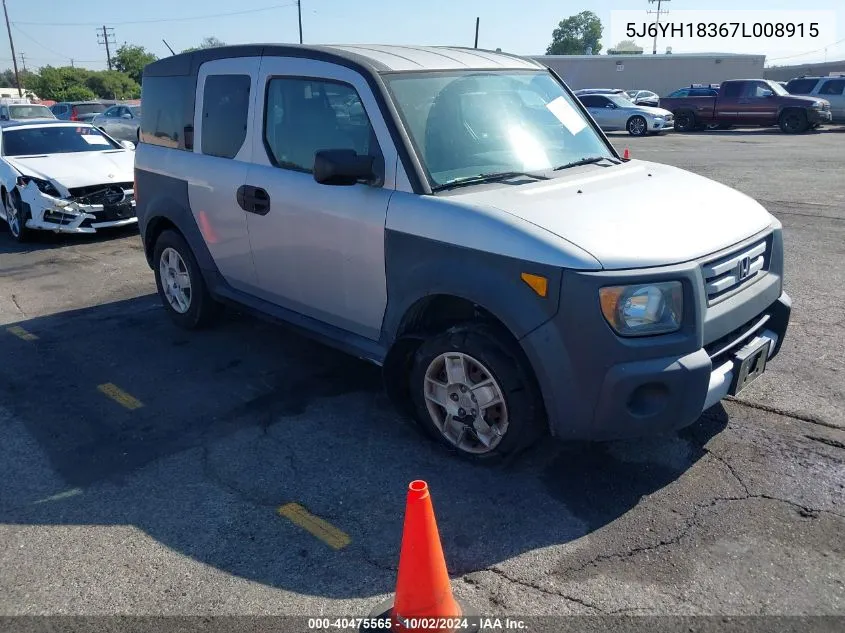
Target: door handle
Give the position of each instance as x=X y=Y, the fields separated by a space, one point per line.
x=253 y=199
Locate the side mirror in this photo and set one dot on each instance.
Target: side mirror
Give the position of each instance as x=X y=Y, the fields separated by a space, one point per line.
x=127 y=145
x=344 y=167
x=610 y=105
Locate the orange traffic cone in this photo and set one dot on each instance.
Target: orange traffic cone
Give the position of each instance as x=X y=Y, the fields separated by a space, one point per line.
x=626 y=154
x=423 y=599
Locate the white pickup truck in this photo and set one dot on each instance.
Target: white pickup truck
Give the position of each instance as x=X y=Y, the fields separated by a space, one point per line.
x=457 y=217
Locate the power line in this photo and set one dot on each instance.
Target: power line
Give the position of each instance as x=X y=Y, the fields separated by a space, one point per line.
x=656 y=21
x=823 y=48
x=157 y=20
x=36 y=42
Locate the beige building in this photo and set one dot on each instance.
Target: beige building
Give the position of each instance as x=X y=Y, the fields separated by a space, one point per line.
x=659 y=73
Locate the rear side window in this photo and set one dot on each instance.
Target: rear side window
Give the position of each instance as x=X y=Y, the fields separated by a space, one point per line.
x=683 y=92
x=832 y=87
x=801 y=86
x=732 y=90
x=168 y=115
x=225 y=107
x=589 y=101
x=303 y=116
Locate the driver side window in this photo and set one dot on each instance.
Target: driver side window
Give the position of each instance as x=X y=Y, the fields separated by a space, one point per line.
x=111 y=112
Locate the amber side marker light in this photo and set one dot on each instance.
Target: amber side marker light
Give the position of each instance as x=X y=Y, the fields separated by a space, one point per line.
x=538 y=284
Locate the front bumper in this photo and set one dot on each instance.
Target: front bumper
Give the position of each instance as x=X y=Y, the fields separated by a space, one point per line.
x=600 y=386
x=47 y=213
x=819 y=116
x=661 y=125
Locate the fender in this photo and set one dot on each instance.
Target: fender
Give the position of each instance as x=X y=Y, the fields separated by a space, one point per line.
x=418 y=267
x=166 y=198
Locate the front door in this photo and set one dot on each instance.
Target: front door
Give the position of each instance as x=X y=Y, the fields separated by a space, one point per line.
x=319 y=249
x=224 y=113
x=758 y=104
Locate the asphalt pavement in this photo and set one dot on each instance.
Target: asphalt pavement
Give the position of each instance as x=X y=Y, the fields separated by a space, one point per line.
x=147 y=470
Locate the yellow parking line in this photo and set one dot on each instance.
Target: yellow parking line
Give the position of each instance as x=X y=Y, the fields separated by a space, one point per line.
x=21 y=333
x=120 y=396
x=323 y=530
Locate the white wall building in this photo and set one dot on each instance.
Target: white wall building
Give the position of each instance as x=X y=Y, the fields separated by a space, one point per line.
x=659 y=73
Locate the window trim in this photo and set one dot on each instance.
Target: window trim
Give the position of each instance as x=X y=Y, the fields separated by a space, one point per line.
x=378 y=163
x=250 y=79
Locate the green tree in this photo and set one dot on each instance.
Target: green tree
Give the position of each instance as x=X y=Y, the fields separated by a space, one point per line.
x=131 y=60
x=113 y=84
x=54 y=82
x=575 y=34
x=626 y=47
x=208 y=42
x=76 y=93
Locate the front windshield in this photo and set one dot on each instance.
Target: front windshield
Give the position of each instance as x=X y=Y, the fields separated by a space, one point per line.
x=30 y=112
x=467 y=124
x=777 y=88
x=55 y=139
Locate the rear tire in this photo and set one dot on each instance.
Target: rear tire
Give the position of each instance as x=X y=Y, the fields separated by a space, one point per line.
x=464 y=367
x=793 y=122
x=685 y=121
x=177 y=271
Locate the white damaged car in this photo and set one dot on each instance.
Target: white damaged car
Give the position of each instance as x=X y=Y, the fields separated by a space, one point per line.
x=63 y=176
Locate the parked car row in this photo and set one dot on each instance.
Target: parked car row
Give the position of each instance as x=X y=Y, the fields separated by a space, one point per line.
x=636 y=111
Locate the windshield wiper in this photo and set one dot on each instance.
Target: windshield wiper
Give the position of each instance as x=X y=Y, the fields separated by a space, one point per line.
x=481 y=178
x=585 y=161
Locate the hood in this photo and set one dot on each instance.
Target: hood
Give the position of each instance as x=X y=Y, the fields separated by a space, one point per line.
x=78 y=169
x=801 y=100
x=649 y=110
x=633 y=215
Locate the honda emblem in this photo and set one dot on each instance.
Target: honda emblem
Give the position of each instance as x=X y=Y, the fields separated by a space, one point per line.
x=743 y=269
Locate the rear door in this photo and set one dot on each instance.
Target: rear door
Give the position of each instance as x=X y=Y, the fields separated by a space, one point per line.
x=225 y=109
x=319 y=249
x=727 y=102
x=833 y=90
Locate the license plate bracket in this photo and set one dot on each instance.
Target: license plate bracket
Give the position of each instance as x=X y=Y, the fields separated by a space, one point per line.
x=749 y=364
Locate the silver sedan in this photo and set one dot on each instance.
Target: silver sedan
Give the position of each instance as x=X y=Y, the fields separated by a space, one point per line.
x=613 y=112
x=120 y=121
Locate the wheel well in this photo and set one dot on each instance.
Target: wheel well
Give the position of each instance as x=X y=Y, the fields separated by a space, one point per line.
x=429 y=315
x=155 y=228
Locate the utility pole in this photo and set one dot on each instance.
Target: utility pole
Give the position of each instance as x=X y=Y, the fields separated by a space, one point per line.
x=12 y=46
x=71 y=63
x=656 y=21
x=23 y=61
x=477 y=21
x=299 y=11
x=108 y=38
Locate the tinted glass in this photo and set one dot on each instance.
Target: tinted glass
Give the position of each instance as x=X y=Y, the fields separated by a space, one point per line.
x=55 y=139
x=111 y=112
x=90 y=108
x=801 y=86
x=135 y=111
x=167 y=118
x=683 y=92
x=589 y=101
x=304 y=116
x=468 y=123
x=732 y=90
x=832 y=87
x=30 y=112
x=225 y=107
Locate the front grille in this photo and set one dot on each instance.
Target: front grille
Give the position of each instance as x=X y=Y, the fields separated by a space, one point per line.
x=96 y=194
x=728 y=274
x=111 y=213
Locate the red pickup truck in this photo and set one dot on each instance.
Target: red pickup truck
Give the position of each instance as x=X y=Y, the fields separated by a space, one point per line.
x=748 y=102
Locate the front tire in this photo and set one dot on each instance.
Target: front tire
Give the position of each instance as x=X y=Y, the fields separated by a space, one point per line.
x=685 y=121
x=637 y=126
x=180 y=283
x=793 y=122
x=15 y=218
x=474 y=392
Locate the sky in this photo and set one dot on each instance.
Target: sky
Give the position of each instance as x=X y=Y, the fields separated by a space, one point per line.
x=55 y=32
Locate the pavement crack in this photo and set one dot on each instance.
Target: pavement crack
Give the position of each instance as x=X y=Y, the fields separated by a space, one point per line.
x=212 y=476
x=730 y=468
x=549 y=592
x=826 y=440
x=778 y=411
x=18 y=306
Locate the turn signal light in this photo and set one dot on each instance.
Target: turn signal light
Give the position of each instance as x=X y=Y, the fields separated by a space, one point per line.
x=538 y=284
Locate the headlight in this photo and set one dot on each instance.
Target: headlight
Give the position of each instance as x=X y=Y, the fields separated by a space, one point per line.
x=44 y=186
x=643 y=309
x=818 y=105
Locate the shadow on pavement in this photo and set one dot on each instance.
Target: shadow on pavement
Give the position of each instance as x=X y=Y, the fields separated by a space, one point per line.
x=45 y=240
x=240 y=419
